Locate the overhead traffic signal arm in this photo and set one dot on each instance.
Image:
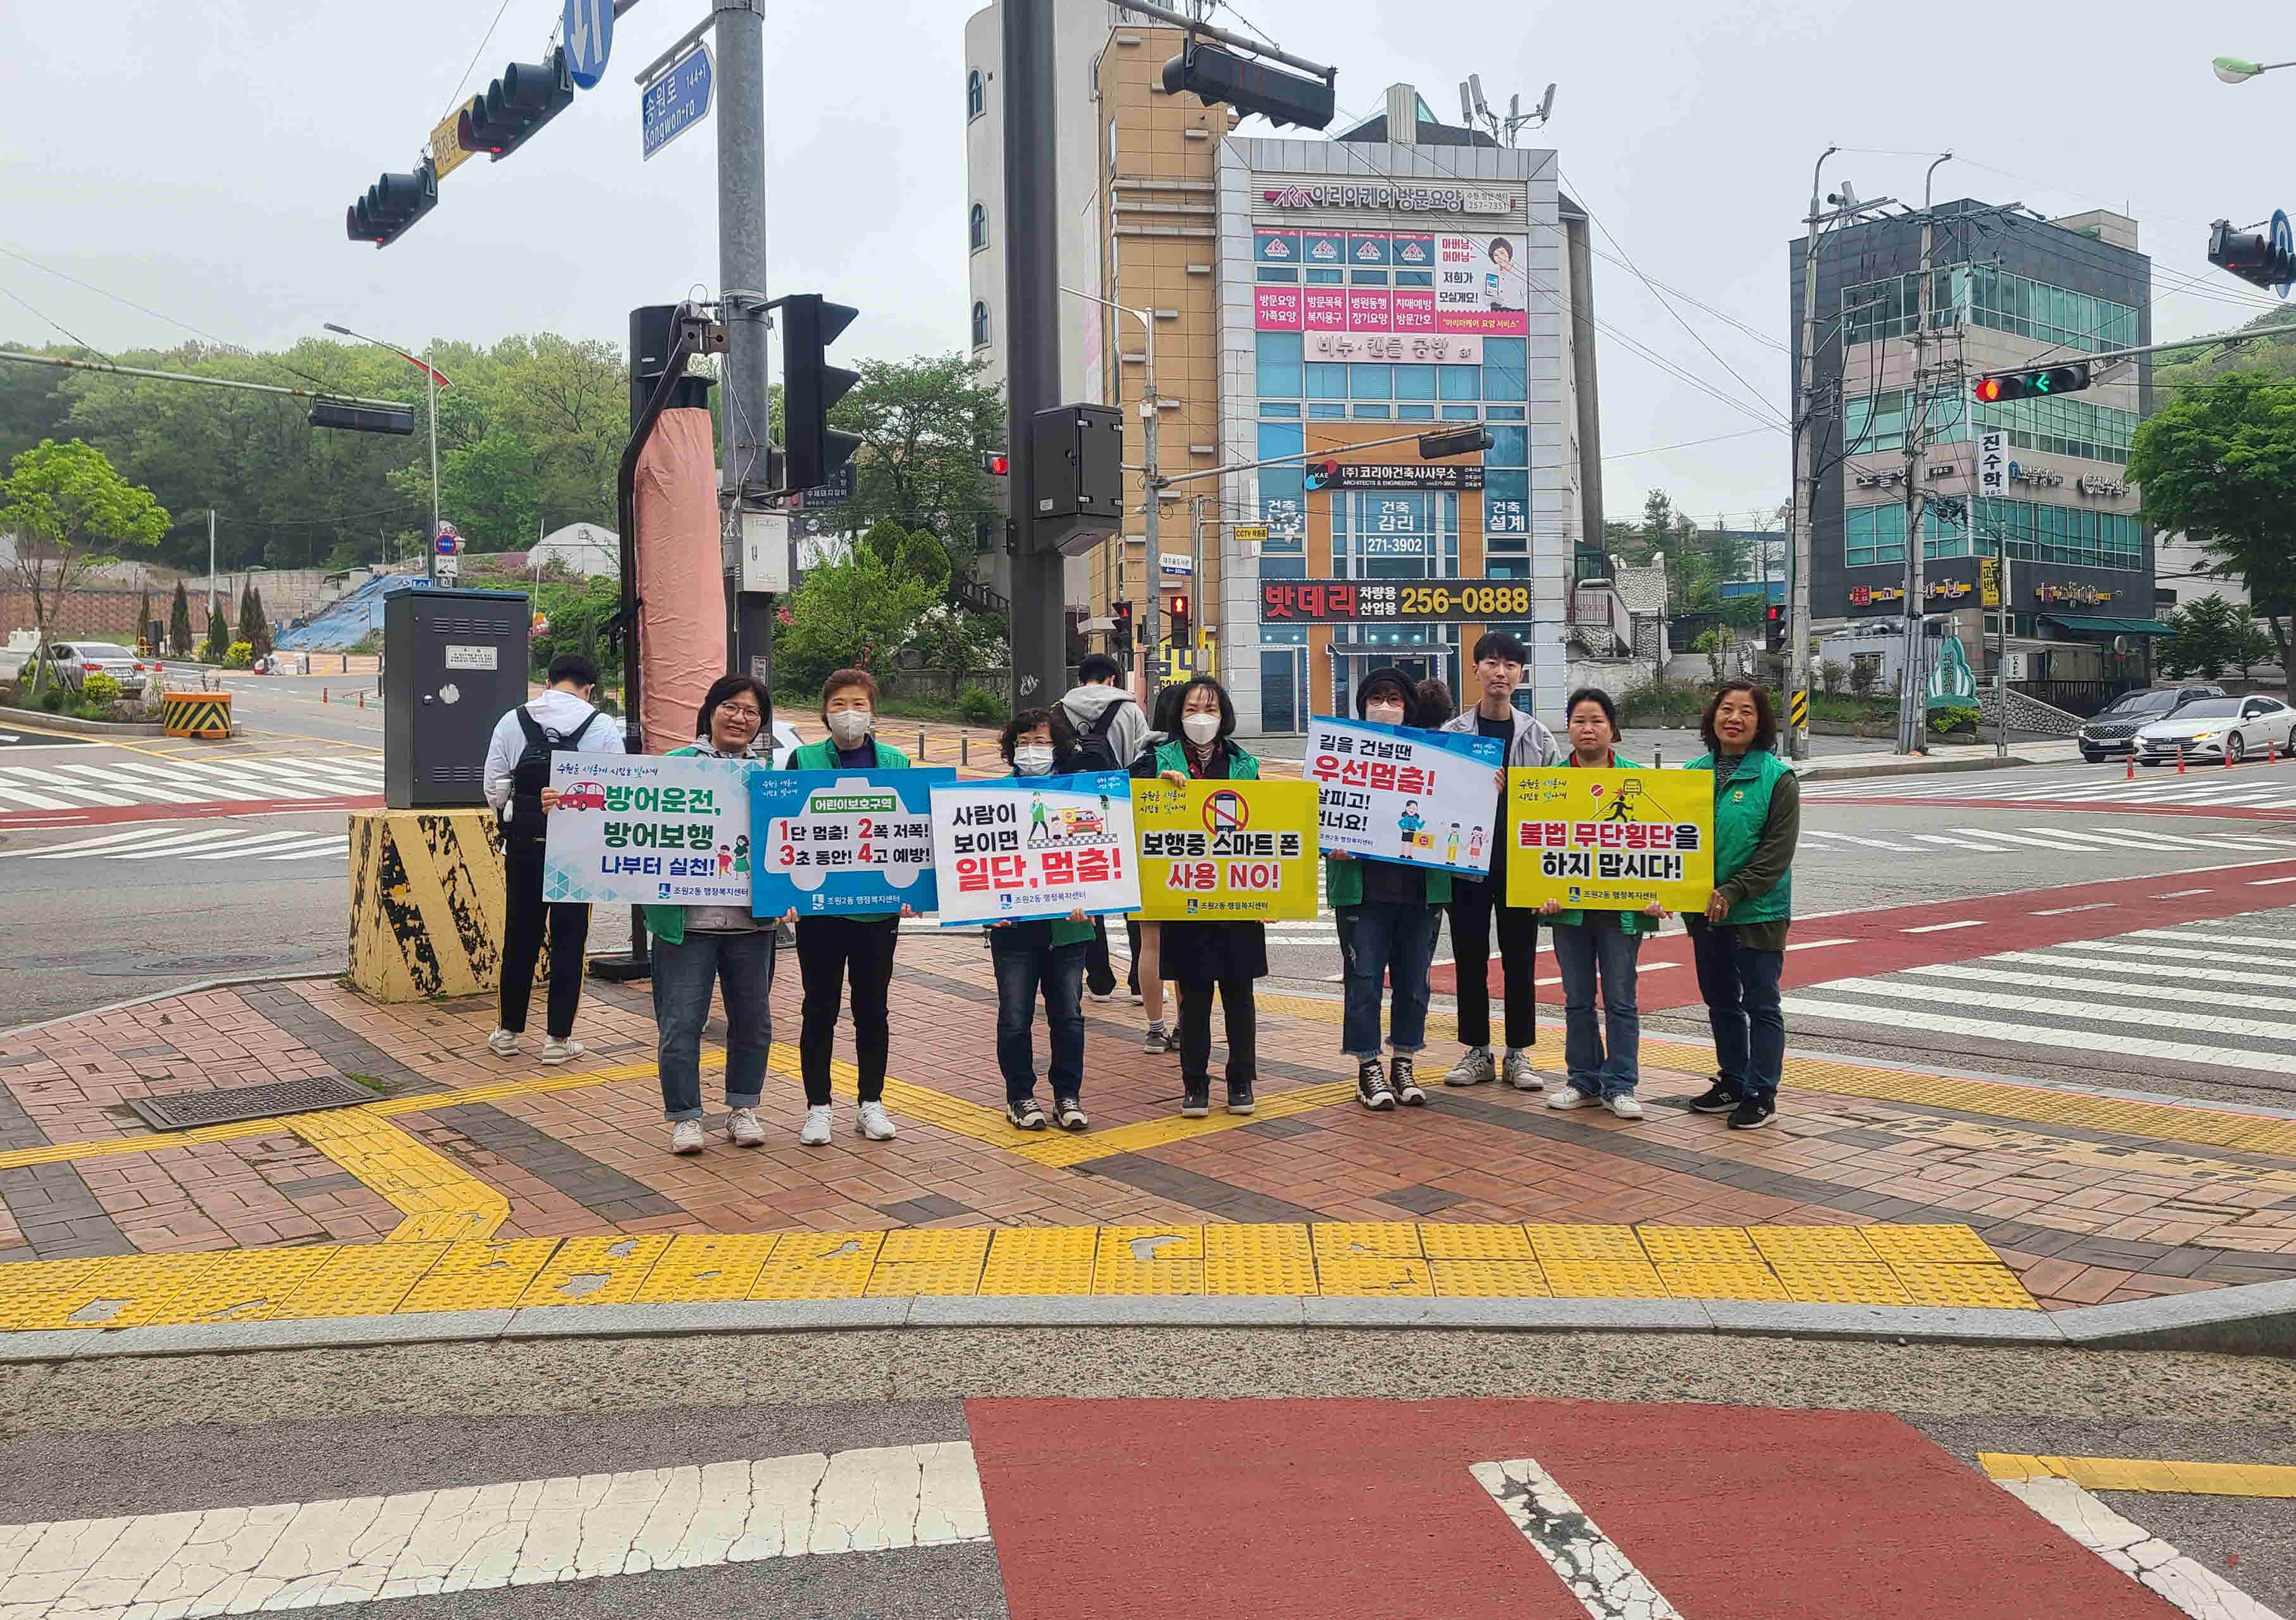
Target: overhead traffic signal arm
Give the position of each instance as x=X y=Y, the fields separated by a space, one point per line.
x=812 y=450
x=1213 y=75
x=391 y=205
x=527 y=97
x=1995 y=387
x=2266 y=258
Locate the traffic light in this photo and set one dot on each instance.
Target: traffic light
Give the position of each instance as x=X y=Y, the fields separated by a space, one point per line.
x=1998 y=385
x=995 y=463
x=1462 y=441
x=1774 y=627
x=391 y=204
x=1121 y=612
x=361 y=419
x=1214 y=74
x=2266 y=258
x=1178 y=613
x=812 y=451
x=527 y=96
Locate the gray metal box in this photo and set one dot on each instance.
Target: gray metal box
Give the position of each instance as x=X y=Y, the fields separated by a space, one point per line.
x=453 y=662
x=1076 y=464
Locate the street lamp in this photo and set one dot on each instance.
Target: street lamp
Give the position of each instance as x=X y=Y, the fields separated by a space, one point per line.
x=2235 y=71
x=431 y=387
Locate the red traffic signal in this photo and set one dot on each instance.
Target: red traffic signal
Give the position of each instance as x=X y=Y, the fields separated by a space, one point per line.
x=2045 y=382
x=995 y=463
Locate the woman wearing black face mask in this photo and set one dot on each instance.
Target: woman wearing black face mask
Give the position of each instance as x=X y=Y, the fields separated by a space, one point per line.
x=1200 y=957
x=1046 y=952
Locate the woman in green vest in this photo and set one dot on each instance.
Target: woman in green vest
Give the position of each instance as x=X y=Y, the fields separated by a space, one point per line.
x=1588 y=943
x=1043 y=954
x=832 y=952
x=1200 y=957
x=1740 y=944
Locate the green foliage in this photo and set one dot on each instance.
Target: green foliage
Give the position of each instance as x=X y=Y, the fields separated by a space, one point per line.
x=51 y=699
x=68 y=510
x=239 y=655
x=254 y=625
x=577 y=611
x=1716 y=645
x=978 y=705
x=179 y=624
x=218 y=638
x=1958 y=717
x=144 y=618
x=99 y=691
x=948 y=637
x=923 y=424
x=2211 y=636
x=854 y=612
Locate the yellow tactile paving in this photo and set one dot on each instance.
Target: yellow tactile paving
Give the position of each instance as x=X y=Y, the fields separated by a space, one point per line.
x=705 y=1266
x=1040 y=1260
x=1474 y=1240
x=1357 y=1276
x=946 y=1261
x=1489 y=1278
x=1359 y=1239
x=1149 y=1260
x=1812 y=1245
x=1817 y=1282
x=368 y=1280
x=1987 y=1287
x=1615 y=1243
x=1277 y=1258
x=122 y=1291
x=1929 y=1244
x=242 y=1285
x=819 y=1265
x=595 y=1271
x=2277 y=1479
x=1720 y=1280
x=1573 y=1279
x=1057 y=1148
x=439 y=1198
x=1702 y=1246
x=479 y=1276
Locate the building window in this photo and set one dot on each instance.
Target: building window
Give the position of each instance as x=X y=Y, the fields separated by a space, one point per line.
x=2061 y=427
x=1986 y=297
x=2066 y=535
x=1278 y=365
x=980 y=227
x=976 y=95
x=980 y=326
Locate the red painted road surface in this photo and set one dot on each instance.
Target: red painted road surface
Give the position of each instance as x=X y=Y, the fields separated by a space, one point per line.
x=1888 y=940
x=1338 y=1509
x=105 y=816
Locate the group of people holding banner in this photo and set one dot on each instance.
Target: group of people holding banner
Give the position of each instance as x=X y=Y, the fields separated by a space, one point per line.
x=1412 y=815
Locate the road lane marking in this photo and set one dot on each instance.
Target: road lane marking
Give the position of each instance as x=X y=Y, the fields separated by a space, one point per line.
x=1599 y=1575
x=2192 y=1586
x=2269 y=1479
x=2026 y=1034
x=529 y=1532
x=2012 y=838
x=2269 y=882
x=1940 y=927
x=1973 y=971
x=1811 y=944
x=2093 y=905
x=2285 y=942
x=2179 y=893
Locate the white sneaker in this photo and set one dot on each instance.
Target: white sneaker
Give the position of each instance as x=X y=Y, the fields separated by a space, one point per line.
x=1572 y=1097
x=742 y=1129
x=1624 y=1106
x=502 y=1043
x=1518 y=1073
x=1472 y=1068
x=817 y=1124
x=686 y=1136
x=874 y=1123
x=555 y=1050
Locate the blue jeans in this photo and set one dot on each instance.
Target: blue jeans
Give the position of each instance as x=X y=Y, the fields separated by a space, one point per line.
x=1378 y=943
x=1740 y=987
x=1602 y=945
x=683 y=975
x=1025 y=958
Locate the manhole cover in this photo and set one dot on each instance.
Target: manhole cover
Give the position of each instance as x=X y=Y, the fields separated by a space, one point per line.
x=187 y=1109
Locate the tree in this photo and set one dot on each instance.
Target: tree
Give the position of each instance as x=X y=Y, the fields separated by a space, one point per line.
x=2250 y=647
x=143 y=617
x=180 y=625
x=924 y=424
x=254 y=624
x=2219 y=462
x=213 y=649
x=854 y=612
x=68 y=511
x=2202 y=642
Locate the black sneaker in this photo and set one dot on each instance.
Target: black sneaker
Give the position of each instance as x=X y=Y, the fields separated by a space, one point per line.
x=1024 y=1115
x=1371 y=1086
x=1195 y=1099
x=1070 y=1114
x=1239 y=1097
x=1717 y=1099
x=1752 y=1114
x=1403 y=1083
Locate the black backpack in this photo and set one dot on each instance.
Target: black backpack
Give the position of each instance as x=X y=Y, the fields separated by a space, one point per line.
x=532 y=774
x=1094 y=750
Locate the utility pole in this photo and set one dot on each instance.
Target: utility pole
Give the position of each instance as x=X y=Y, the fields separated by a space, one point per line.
x=1805 y=485
x=1912 y=693
x=740 y=73
x=1032 y=344
x=211 y=561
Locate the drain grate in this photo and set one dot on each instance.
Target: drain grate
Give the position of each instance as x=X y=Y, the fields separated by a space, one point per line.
x=188 y=1109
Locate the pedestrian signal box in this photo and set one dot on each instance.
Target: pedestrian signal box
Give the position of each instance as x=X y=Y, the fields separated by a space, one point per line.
x=453 y=663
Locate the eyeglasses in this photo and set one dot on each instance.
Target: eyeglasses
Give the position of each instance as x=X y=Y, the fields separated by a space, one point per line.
x=742 y=711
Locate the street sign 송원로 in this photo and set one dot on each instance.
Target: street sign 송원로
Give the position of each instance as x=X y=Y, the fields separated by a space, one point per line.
x=587 y=29
x=676 y=102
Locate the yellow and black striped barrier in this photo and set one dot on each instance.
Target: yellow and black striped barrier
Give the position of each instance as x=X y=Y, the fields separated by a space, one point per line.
x=427 y=905
x=1798 y=710
x=195 y=714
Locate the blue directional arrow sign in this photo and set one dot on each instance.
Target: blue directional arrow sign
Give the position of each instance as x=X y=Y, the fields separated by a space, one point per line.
x=587 y=29
x=677 y=101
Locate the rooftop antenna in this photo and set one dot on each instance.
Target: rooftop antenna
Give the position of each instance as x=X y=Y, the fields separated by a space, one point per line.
x=1476 y=113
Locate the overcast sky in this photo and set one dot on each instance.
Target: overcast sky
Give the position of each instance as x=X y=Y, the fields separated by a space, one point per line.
x=197 y=159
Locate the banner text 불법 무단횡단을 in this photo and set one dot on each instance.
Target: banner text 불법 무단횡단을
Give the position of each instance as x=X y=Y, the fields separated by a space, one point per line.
x=1019 y=848
x=1393 y=793
x=649 y=830
x=1226 y=851
x=842 y=843
x=1610 y=840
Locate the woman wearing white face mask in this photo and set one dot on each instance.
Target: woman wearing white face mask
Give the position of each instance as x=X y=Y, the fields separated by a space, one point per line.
x=1048 y=952
x=833 y=951
x=1200 y=957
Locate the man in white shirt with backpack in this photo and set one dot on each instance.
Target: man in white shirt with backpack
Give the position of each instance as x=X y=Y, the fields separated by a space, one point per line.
x=560 y=719
x=1110 y=731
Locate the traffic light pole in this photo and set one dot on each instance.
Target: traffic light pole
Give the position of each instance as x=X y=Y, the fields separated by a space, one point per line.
x=1805 y=485
x=1032 y=343
x=740 y=74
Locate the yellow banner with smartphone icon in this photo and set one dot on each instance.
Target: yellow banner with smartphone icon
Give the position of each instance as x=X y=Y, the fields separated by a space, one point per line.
x=1610 y=840
x=1226 y=851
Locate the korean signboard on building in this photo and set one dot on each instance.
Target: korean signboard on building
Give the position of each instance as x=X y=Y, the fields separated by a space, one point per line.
x=648 y=829
x=1379 y=600
x=1392 y=475
x=1610 y=840
x=841 y=842
x=1422 y=799
x=1226 y=851
x=1023 y=848
x=1993 y=463
x=1473 y=285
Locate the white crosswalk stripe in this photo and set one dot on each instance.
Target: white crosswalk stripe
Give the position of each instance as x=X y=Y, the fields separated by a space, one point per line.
x=2198 y=994
x=188 y=781
x=1989 y=840
x=207 y=841
x=2212 y=786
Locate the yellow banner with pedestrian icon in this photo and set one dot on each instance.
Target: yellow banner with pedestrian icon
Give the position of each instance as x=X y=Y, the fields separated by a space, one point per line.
x=1226 y=851
x=1610 y=840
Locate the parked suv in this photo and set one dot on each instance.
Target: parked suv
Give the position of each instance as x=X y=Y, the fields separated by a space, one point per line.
x=2114 y=728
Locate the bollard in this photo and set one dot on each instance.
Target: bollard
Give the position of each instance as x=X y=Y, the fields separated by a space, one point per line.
x=921 y=744
x=2228 y=756
x=964 y=748
x=1658 y=759
x=2132 y=761
x=2180 y=759
x=362 y=699
x=322 y=694
x=2270 y=755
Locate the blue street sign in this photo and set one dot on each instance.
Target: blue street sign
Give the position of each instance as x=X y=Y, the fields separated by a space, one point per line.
x=587 y=29
x=677 y=101
x=449 y=545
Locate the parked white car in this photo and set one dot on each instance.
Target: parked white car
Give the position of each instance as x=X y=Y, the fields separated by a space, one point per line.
x=2220 y=728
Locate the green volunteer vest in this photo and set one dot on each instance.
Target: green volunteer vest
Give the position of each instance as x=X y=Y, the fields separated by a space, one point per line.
x=1739 y=812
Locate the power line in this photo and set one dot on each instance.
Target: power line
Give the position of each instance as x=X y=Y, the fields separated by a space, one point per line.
x=473 y=62
x=59 y=325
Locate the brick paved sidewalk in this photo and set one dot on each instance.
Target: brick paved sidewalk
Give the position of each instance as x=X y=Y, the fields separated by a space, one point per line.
x=2088 y=1199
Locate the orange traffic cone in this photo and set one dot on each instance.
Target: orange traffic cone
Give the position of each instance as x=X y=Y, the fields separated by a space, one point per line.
x=2271 y=752
x=2132 y=765
x=2180 y=749
x=2228 y=756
